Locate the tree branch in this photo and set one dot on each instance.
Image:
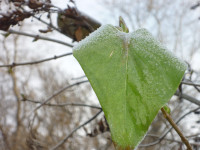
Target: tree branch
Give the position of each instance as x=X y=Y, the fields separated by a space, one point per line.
x=77 y=78
x=188 y=98
x=48 y=24
x=68 y=136
x=172 y=140
x=195 y=85
x=55 y=94
x=36 y=37
x=35 y=62
x=173 y=124
x=62 y=104
x=190 y=83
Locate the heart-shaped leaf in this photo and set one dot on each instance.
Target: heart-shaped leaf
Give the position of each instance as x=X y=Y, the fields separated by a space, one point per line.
x=133 y=76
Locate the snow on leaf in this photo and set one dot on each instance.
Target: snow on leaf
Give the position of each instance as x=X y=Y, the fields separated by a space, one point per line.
x=133 y=76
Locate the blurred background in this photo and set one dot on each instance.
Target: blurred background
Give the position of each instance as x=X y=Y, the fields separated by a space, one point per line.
x=27 y=78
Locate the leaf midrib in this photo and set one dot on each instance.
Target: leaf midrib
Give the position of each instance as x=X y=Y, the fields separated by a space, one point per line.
x=126 y=42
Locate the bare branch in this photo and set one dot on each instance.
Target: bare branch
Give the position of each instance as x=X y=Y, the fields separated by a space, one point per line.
x=48 y=24
x=172 y=140
x=35 y=62
x=192 y=136
x=195 y=85
x=190 y=83
x=4 y=138
x=57 y=93
x=195 y=6
x=63 y=104
x=68 y=136
x=77 y=78
x=188 y=98
x=37 y=37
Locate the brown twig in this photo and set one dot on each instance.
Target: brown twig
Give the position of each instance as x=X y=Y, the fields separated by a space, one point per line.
x=169 y=119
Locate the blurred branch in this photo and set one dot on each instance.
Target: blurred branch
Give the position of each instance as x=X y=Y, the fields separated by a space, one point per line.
x=63 y=104
x=77 y=78
x=195 y=85
x=56 y=94
x=4 y=138
x=195 y=6
x=172 y=140
x=48 y=24
x=35 y=62
x=68 y=136
x=188 y=98
x=190 y=83
x=173 y=124
x=16 y=92
x=37 y=37
x=192 y=136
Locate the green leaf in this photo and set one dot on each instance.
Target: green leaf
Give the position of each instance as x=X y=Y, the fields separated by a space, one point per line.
x=133 y=76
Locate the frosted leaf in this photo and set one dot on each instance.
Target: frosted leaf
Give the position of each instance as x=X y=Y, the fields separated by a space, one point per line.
x=133 y=76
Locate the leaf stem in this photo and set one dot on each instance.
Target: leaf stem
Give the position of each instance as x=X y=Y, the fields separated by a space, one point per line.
x=170 y=120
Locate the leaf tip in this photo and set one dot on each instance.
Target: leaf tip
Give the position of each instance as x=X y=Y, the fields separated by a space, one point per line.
x=123 y=25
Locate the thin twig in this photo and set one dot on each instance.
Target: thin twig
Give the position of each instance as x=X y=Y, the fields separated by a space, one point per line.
x=190 y=83
x=173 y=124
x=35 y=62
x=68 y=136
x=77 y=78
x=188 y=98
x=172 y=140
x=193 y=136
x=39 y=37
x=62 y=104
x=48 y=24
x=55 y=94
x=195 y=85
